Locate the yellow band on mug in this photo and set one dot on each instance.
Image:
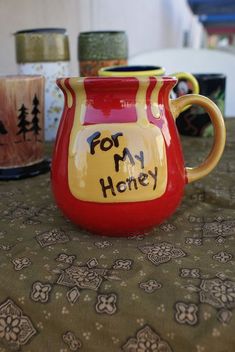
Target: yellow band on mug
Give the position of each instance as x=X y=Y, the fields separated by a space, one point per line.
x=146 y=70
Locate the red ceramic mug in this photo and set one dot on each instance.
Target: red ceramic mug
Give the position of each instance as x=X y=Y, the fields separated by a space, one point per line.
x=117 y=167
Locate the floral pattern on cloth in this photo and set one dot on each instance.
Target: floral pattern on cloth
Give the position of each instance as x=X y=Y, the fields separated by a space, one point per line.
x=84 y=277
x=73 y=295
x=88 y=277
x=53 y=236
x=106 y=303
x=223 y=257
x=150 y=286
x=16 y=329
x=21 y=263
x=186 y=313
x=218 y=292
x=173 y=289
x=192 y=273
x=124 y=264
x=217 y=228
x=220 y=227
x=161 y=253
x=72 y=341
x=65 y=258
x=146 y=340
x=40 y=292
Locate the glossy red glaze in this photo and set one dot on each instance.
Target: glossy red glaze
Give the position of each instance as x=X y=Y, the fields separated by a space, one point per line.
x=105 y=97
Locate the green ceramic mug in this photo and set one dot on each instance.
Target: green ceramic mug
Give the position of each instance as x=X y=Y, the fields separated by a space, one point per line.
x=97 y=49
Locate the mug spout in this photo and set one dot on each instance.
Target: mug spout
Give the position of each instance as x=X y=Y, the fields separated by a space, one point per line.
x=62 y=83
x=170 y=82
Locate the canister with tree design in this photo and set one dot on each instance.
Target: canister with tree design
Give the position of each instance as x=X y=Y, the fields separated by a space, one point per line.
x=45 y=51
x=22 y=127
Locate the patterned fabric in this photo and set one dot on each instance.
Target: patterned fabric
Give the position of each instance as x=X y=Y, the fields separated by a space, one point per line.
x=63 y=290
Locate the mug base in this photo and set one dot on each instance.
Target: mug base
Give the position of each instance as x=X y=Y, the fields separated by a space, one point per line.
x=17 y=173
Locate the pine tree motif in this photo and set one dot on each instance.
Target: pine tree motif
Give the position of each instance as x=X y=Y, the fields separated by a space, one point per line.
x=23 y=122
x=35 y=121
x=2 y=128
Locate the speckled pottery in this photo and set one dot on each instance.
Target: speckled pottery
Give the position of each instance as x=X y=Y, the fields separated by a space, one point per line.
x=99 y=49
x=46 y=52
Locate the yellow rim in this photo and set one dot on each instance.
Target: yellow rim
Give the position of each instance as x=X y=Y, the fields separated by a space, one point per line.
x=105 y=72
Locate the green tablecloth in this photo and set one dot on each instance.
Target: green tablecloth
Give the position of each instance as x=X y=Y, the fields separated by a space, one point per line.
x=65 y=290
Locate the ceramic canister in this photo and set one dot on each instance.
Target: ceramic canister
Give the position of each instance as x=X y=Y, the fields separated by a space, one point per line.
x=22 y=126
x=45 y=51
x=99 y=49
x=195 y=121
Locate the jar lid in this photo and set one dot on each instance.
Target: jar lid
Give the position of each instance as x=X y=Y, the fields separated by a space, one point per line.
x=41 y=45
x=102 y=45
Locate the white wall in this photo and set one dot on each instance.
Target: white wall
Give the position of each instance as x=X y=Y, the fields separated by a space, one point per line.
x=150 y=24
x=25 y=14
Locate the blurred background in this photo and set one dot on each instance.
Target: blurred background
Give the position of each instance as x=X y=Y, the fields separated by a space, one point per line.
x=149 y=24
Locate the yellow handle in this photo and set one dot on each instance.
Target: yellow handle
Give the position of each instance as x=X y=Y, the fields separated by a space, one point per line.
x=188 y=77
x=177 y=105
